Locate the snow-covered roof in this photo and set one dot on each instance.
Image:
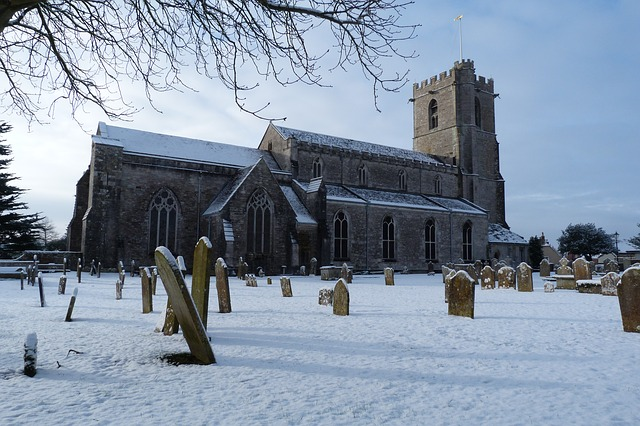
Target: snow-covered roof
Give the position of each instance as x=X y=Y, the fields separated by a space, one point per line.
x=354 y=145
x=457 y=205
x=501 y=235
x=339 y=193
x=228 y=191
x=302 y=214
x=150 y=144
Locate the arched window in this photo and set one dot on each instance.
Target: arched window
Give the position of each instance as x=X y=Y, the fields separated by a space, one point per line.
x=259 y=218
x=402 y=180
x=433 y=114
x=478 y=113
x=388 y=239
x=340 y=236
x=467 y=242
x=363 y=178
x=430 y=240
x=437 y=185
x=317 y=168
x=163 y=220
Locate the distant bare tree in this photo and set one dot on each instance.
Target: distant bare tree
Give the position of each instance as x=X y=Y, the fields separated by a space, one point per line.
x=80 y=50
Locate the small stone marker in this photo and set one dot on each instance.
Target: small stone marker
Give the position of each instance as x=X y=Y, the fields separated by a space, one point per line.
x=285 y=286
x=147 y=293
x=242 y=269
x=92 y=269
x=62 y=284
x=186 y=312
x=506 y=277
x=349 y=276
x=30 y=354
x=549 y=287
x=341 y=298
x=99 y=270
x=121 y=272
x=41 y=290
x=260 y=272
x=629 y=299
x=447 y=284
x=487 y=277
x=222 y=286
x=461 y=295
x=72 y=303
x=133 y=268
x=430 y=268
x=325 y=296
x=581 y=269
x=545 y=268
x=250 y=280
x=388 y=276
x=313 y=266
x=201 y=277
x=344 y=272
x=118 y=289
x=610 y=284
x=79 y=270
x=524 y=277
x=269 y=282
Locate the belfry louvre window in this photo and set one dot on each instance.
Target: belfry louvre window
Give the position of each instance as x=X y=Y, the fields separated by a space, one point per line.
x=430 y=240
x=340 y=237
x=259 y=219
x=363 y=179
x=163 y=220
x=388 y=239
x=402 y=180
x=433 y=114
x=467 y=243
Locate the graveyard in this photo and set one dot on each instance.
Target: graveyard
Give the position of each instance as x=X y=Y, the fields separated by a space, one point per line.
x=396 y=357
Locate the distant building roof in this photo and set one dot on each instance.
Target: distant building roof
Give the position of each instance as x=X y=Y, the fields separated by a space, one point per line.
x=354 y=145
x=501 y=235
x=175 y=147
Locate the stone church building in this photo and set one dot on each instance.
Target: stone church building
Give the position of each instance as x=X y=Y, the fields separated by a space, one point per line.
x=302 y=195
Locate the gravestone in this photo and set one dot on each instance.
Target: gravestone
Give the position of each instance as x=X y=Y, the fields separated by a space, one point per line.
x=181 y=265
x=349 y=276
x=477 y=268
x=250 y=280
x=549 y=287
x=581 y=269
x=303 y=270
x=133 y=268
x=121 y=272
x=447 y=284
x=341 y=298
x=201 y=277
x=325 y=296
x=430 y=269
x=461 y=295
x=99 y=269
x=222 y=286
x=524 y=277
x=147 y=293
x=183 y=306
x=344 y=272
x=79 y=270
x=171 y=325
x=445 y=272
x=471 y=270
x=609 y=283
x=30 y=354
x=388 y=276
x=545 y=268
x=62 y=284
x=269 y=281
x=64 y=266
x=242 y=269
x=41 y=290
x=506 y=277
x=487 y=278
x=611 y=266
x=564 y=268
x=119 y=289
x=92 y=269
x=154 y=280
x=285 y=286
x=629 y=299
x=72 y=303
x=313 y=266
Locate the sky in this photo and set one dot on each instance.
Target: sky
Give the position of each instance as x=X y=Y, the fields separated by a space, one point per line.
x=565 y=72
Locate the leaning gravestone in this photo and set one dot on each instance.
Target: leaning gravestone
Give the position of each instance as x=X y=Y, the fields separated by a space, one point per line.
x=285 y=286
x=461 y=295
x=325 y=296
x=487 y=278
x=72 y=303
x=506 y=277
x=341 y=298
x=222 y=286
x=147 y=293
x=609 y=283
x=581 y=269
x=629 y=299
x=388 y=276
x=545 y=268
x=183 y=306
x=524 y=277
x=201 y=277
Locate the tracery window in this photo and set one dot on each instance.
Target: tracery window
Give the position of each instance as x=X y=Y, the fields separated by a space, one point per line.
x=467 y=242
x=259 y=219
x=402 y=180
x=388 y=239
x=430 y=240
x=363 y=178
x=163 y=220
x=433 y=114
x=437 y=185
x=340 y=236
x=317 y=168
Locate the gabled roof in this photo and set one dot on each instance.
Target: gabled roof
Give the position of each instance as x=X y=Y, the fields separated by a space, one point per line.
x=395 y=199
x=501 y=235
x=354 y=145
x=228 y=191
x=156 y=145
x=303 y=216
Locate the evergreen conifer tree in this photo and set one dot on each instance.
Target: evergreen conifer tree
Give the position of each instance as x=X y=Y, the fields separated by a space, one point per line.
x=18 y=231
x=535 y=251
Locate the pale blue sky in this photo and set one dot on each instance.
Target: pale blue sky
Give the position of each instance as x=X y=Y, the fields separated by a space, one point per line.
x=565 y=71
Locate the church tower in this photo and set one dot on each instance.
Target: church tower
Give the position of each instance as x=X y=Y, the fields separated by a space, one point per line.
x=454 y=119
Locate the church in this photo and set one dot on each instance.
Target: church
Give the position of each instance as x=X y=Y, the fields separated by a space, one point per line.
x=301 y=195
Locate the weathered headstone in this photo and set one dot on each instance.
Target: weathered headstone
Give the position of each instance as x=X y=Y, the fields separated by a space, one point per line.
x=250 y=280
x=41 y=290
x=349 y=276
x=487 y=278
x=184 y=308
x=506 y=277
x=581 y=269
x=119 y=289
x=269 y=282
x=549 y=287
x=341 y=298
x=313 y=267
x=564 y=268
x=325 y=296
x=285 y=286
x=524 y=277
x=477 y=268
x=610 y=283
x=242 y=269
x=344 y=272
x=471 y=270
x=545 y=268
x=121 y=272
x=222 y=286
x=461 y=295
x=79 y=270
x=447 y=284
x=388 y=276
x=430 y=268
x=171 y=325
x=72 y=303
x=201 y=277
x=154 y=280
x=629 y=299
x=62 y=284
x=611 y=266
x=30 y=354
x=147 y=293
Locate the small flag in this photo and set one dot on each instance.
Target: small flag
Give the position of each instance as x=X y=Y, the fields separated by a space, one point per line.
x=459 y=17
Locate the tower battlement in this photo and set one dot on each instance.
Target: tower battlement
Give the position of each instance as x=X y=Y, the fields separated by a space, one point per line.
x=449 y=77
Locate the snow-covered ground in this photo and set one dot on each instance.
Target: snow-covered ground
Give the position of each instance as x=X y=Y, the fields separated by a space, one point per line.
x=527 y=358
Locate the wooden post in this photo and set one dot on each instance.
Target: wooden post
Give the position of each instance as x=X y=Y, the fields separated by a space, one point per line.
x=72 y=303
x=201 y=277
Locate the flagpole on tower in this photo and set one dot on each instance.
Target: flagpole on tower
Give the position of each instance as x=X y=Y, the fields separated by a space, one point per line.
x=459 y=19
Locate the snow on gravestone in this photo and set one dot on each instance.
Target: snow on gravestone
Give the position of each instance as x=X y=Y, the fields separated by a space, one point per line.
x=147 y=291
x=222 y=286
x=506 y=277
x=487 y=278
x=629 y=299
x=341 y=298
x=201 y=277
x=388 y=276
x=285 y=286
x=461 y=295
x=30 y=354
x=525 y=278
x=610 y=283
x=325 y=296
x=581 y=269
x=183 y=306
